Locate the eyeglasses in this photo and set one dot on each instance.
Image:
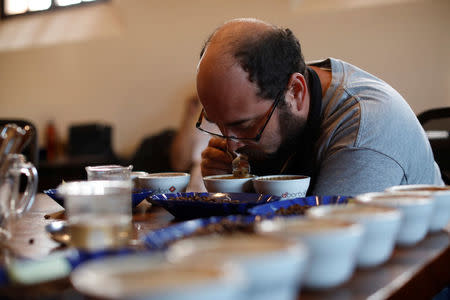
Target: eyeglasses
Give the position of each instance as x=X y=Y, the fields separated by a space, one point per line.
x=216 y=131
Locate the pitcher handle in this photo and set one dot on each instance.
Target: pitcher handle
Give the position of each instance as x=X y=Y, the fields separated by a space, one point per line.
x=27 y=199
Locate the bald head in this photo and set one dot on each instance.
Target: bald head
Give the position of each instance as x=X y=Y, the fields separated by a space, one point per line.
x=267 y=53
x=233 y=33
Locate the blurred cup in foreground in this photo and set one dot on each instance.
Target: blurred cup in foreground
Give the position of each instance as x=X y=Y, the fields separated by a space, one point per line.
x=98 y=213
x=274 y=266
x=109 y=172
x=147 y=276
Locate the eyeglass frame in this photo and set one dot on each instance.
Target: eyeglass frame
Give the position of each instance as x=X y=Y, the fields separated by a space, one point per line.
x=257 y=138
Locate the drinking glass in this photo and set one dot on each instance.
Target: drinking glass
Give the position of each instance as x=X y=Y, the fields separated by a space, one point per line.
x=14 y=204
x=98 y=213
x=109 y=172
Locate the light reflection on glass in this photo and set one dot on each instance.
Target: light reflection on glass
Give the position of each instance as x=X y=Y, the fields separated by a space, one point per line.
x=36 y=5
x=67 y=2
x=13 y=7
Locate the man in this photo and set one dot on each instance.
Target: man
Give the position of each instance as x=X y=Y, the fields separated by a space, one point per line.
x=348 y=130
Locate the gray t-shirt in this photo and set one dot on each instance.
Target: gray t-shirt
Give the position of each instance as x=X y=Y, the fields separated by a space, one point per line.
x=369 y=139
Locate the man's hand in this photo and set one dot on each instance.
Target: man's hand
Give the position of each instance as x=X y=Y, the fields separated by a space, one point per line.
x=216 y=160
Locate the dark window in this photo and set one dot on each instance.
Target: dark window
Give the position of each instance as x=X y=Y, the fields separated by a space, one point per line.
x=11 y=8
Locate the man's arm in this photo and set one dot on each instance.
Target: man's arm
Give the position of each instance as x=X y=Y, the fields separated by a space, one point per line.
x=353 y=171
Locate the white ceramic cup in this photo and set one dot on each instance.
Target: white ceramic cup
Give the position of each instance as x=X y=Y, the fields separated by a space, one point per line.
x=149 y=276
x=381 y=225
x=135 y=178
x=416 y=209
x=283 y=186
x=441 y=194
x=165 y=183
x=273 y=266
x=332 y=245
x=228 y=184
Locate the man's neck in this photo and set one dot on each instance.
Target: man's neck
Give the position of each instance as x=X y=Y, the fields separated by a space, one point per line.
x=325 y=78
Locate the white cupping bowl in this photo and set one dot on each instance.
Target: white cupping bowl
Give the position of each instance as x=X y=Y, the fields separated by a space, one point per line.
x=228 y=184
x=164 y=183
x=416 y=209
x=283 y=186
x=144 y=276
x=332 y=246
x=274 y=267
x=441 y=195
x=381 y=225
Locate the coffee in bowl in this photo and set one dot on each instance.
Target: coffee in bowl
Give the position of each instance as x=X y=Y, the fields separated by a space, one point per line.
x=284 y=186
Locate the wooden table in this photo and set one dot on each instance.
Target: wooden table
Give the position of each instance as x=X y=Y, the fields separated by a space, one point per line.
x=417 y=272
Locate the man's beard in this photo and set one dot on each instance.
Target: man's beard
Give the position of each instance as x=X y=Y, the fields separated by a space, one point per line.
x=291 y=129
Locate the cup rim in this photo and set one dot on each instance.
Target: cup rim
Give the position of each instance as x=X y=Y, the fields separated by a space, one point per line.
x=166 y=175
x=91 y=187
x=220 y=178
x=418 y=188
x=326 y=211
x=211 y=242
x=419 y=198
x=282 y=224
x=267 y=178
x=104 y=168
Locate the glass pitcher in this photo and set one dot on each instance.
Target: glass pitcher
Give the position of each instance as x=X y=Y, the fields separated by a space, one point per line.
x=13 y=204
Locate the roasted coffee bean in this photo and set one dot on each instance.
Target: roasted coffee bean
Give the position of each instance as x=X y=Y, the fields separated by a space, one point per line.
x=204 y=199
x=226 y=227
x=295 y=209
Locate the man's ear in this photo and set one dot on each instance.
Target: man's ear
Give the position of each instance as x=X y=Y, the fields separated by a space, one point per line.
x=297 y=93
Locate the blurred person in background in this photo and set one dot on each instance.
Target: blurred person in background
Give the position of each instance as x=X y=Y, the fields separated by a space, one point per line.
x=188 y=144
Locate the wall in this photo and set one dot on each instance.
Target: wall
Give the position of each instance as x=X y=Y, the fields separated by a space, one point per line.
x=131 y=63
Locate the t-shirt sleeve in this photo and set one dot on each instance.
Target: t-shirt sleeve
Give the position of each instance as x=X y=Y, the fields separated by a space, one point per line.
x=352 y=171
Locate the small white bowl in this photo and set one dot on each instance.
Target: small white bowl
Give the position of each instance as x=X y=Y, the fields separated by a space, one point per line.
x=273 y=266
x=441 y=195
x=164 y=183
x=416 y=209
x=135 y=176
x=228 y=184
x=381 y=225
x=332 y=244
x=283 y=186
x=144 y=276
